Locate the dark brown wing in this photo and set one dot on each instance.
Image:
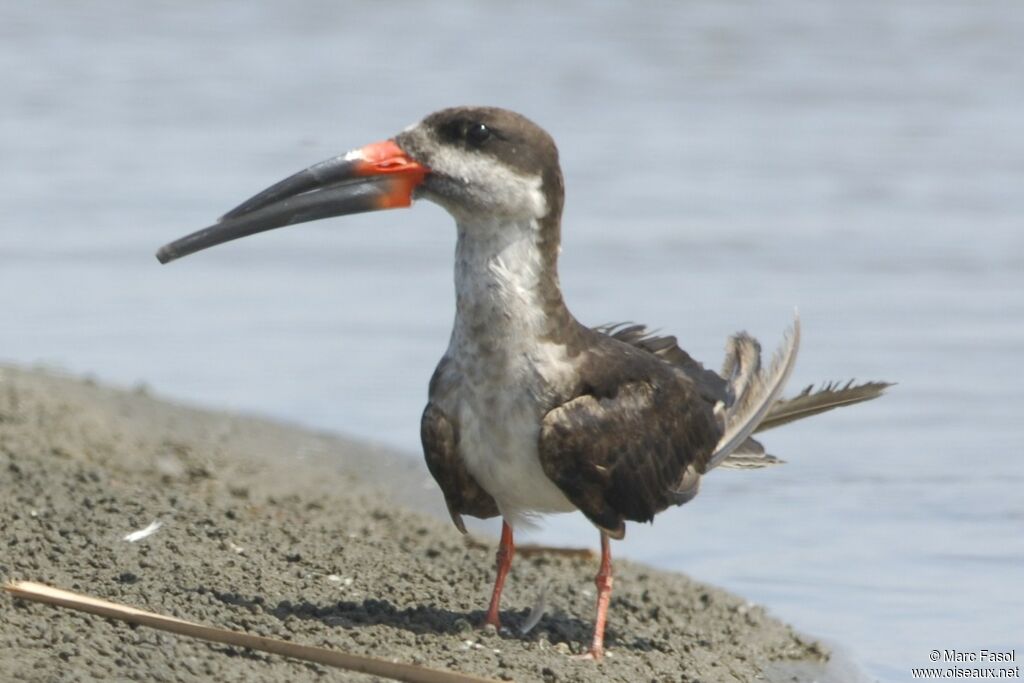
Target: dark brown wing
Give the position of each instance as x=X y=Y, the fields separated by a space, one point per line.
x=712 y=387
x=633 y=441
x=461 y=492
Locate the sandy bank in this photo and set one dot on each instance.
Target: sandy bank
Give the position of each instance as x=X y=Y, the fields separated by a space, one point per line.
x=304 y=536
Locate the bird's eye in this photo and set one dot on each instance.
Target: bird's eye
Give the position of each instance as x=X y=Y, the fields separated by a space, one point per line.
x=477 y=134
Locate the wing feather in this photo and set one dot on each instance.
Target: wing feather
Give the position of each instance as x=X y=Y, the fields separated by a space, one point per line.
x=462 y=493
x=631 y=451
x=755 y=390
x=828 y=397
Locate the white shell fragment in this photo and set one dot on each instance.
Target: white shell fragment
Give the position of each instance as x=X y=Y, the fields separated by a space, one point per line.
x=144 y=533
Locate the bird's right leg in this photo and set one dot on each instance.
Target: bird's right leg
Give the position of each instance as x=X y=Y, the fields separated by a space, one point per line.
x=506 y=549
x=603 y=580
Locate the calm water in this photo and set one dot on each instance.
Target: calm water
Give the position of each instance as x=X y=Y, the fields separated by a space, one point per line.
x=725 y=161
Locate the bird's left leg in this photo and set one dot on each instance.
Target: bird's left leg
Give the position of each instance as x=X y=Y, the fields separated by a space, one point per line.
x=506 y=549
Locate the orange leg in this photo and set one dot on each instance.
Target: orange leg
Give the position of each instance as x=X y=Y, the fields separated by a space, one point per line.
x=506 y=549
x=603 y=581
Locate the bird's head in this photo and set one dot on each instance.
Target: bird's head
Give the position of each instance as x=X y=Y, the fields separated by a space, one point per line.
x=479 y=163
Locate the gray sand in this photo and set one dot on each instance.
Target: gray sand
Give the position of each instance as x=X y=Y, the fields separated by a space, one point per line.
x=309 y=537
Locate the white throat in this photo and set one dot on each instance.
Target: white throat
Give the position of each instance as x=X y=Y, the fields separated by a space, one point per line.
x=499 y=272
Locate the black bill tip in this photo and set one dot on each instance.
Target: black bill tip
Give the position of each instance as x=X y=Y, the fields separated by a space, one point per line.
x=165 y=254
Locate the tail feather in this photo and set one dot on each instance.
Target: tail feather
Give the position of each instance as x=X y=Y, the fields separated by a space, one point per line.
x=755 y=391
x=741 y=367
x=829 y=396
x=750 y=455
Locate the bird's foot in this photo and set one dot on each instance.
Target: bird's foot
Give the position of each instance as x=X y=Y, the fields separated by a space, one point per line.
x=593 y=654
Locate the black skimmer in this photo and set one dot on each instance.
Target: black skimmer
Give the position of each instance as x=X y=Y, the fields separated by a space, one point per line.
x=530 y=411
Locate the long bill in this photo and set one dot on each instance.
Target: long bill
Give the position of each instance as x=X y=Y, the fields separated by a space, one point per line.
x=375 y=177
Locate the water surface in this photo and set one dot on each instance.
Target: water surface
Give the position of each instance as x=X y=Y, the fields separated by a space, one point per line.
x=725 y=162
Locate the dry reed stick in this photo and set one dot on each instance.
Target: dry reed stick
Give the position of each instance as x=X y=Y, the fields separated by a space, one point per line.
x=398 y=671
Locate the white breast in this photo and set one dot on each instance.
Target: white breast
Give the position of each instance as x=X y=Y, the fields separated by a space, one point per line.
x=498 y=435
